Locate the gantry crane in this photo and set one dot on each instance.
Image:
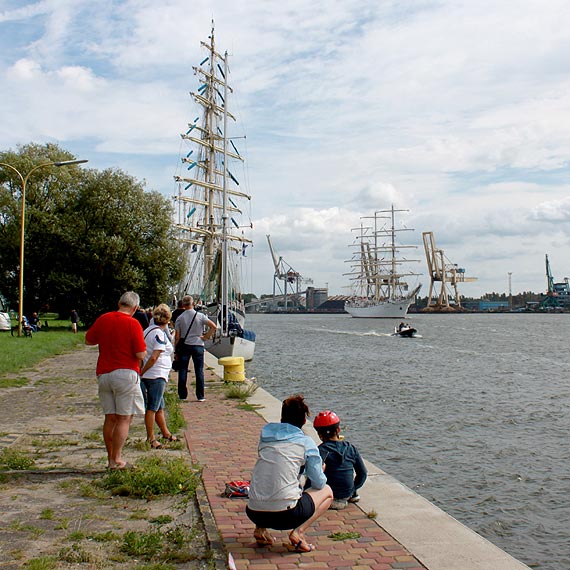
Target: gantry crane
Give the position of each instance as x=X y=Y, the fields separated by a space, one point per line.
x=558 y=294
x=285 y=273
x=444 y=273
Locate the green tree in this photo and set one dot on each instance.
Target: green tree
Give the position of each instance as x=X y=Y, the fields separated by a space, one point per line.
x=90 y=236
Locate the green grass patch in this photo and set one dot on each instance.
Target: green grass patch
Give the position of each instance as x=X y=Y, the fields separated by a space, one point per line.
x=159 y=547
x=174 y=417
x=249 y=407
x=344 y=535
x=240 y=390
x=42 y=563
x=74 y=554
x=14 y=459
x=18 y=353
x=47 y=514
x=108 y=536
x=162 y=519
x=153 y=477
x=24 y=527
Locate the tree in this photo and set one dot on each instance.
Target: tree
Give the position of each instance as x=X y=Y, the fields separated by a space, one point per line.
x=90 y=236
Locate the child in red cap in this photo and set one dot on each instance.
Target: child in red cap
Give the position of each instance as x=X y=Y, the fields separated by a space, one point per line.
x=345 y=469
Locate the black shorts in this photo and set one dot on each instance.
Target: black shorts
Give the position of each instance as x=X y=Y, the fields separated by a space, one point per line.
x=284 y=520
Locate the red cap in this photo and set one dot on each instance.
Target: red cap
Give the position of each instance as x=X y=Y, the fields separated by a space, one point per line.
x=326 y=419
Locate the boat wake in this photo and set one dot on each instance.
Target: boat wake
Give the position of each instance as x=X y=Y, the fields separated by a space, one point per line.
x=353 y=333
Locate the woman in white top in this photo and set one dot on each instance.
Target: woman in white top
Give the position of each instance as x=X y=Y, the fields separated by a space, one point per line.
x=154 y=374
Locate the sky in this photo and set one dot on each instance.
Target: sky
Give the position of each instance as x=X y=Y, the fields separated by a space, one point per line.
x=457 y=111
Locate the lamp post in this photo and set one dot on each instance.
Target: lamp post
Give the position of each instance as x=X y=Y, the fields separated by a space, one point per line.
x=24 y=180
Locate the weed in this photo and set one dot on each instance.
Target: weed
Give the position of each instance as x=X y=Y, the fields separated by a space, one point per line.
x=162 y=519
x=76 y=535
x=107 y=536
x=14 y=459
x=175 y=418
x=240 y=390
x=371 y=514
x=63 y=524
x=154 y=476
x=74 y=554
x=146 y=545
x=34 y=530
x=42 y=563
x=249 y=407
x=13 y=382
x=344 y=535
x=156 y=566
x=47 y=514
x=94 y=436
x=91 y=491
x=139 y=514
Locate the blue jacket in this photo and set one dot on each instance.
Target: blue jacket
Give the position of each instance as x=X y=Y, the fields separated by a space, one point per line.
x=342 y=462
x=282 y=453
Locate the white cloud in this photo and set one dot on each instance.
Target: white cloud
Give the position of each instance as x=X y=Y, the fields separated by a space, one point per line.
x=457 y=111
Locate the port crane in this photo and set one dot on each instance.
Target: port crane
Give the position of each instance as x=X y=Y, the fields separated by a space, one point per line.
x=444 y=274
x=557 y=294
x=284 y=273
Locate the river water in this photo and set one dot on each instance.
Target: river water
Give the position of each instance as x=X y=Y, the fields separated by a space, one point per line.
x=473 y=415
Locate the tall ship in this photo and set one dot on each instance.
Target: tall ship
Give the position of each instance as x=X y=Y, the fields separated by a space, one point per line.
x=212 y=210
x=378 y=269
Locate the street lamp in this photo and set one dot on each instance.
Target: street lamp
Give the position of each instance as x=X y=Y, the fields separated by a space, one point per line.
x=24 y=180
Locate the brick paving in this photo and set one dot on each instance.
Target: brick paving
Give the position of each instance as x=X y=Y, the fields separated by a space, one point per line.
x=222 y=438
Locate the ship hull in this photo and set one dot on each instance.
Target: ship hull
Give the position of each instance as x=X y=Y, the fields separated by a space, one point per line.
x=380 y=310
x=231 y=346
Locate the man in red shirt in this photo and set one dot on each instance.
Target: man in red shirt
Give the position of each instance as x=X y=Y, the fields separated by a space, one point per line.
x=121 y=350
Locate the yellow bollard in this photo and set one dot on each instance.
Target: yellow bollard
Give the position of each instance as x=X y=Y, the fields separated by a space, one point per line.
x=234 y=368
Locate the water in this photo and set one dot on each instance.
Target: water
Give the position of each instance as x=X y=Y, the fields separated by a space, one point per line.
x=474 y=415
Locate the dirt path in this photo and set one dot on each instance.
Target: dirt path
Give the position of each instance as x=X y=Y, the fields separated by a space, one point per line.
x=54 y=515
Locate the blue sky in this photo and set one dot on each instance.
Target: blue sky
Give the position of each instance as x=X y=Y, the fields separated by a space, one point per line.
x=458 y=111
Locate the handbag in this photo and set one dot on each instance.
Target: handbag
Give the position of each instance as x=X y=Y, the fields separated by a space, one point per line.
x=181 y=344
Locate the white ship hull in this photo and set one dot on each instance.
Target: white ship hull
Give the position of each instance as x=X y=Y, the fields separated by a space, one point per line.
x=231 y=346
x=380 y=310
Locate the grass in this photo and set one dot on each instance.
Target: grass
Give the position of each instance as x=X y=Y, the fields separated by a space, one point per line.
x=18 y=353
x=160 y=547
x=174 y=418
x=240 y=390
x=42 y=563
x=154 y=476
x=344 y=535
x=14 y=459
x=47 y=514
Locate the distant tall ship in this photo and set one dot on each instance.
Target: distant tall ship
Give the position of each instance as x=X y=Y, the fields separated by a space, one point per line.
x=378 y=273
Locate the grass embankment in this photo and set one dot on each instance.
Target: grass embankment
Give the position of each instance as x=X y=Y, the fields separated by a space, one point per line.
x=17 y=353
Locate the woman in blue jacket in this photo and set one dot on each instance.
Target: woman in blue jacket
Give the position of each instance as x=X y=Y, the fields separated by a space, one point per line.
x=276 y=496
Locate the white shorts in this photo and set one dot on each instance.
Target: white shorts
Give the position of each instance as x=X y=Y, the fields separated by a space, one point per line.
x=120 y=393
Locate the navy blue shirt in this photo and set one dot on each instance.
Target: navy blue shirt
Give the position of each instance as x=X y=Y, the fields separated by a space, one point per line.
x=343 y=462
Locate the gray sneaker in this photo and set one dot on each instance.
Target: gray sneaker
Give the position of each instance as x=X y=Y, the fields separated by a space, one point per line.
x=338 y=504
x=355 y=498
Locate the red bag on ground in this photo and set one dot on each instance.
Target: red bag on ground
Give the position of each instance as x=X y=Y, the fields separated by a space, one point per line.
x=236 y=489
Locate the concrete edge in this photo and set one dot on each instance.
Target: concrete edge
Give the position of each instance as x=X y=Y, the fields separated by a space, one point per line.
x=435 y=538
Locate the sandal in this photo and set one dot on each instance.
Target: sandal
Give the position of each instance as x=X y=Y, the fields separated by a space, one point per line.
x=300 y=544
x=170 y=437
x=155 y=444
x=263 y=538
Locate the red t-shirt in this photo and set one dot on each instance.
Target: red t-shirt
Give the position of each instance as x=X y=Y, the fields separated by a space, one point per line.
x=119 y=337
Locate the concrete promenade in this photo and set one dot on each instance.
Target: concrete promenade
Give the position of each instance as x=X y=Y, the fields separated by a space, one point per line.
x=407 y=532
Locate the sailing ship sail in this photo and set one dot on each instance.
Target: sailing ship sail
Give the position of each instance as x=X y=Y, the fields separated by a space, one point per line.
x=378 y=274
x=210 y=211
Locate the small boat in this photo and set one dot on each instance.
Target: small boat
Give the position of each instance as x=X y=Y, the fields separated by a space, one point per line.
x=377 y=272
x=404 y=330
x=211 y=211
